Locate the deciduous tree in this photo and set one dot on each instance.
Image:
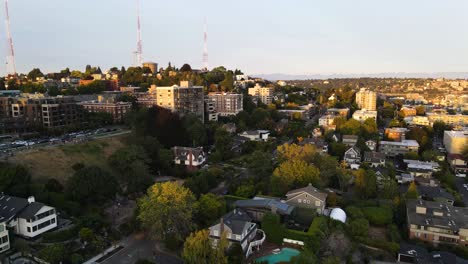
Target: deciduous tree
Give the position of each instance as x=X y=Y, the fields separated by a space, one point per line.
x=198 y=249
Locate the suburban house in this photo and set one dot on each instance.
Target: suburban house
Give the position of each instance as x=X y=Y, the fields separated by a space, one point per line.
x=4 y=238
x=239 y=228
x=350 y=140
x=190 y=157
x=256 y=135
x=307 y=197
x=437 y=222
x=353 y=157
x=421 y=168
x=405 y=178
x=457 y=163
x=371 y=144
x=26 y=217
x=256 y=208
x=375 y=159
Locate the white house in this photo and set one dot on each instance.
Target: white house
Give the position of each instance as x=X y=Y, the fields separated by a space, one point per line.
x=363 y=115
x=190 y=157
x=371 y=144
x=256 y=135
x=26 y=217
x=353 y=157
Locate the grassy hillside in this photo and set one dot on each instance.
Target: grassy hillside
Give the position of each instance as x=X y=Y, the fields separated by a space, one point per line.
x=57 y=161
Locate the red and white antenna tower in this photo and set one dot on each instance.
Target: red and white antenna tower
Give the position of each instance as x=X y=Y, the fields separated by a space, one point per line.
x=138 y=60
x=205 y=47
x=10 y=58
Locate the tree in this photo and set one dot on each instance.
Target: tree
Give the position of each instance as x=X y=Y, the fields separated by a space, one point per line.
x=389 y=189
x=296 y=152
x=14 y=179
x=91 y=185
x=185 y=68
x=292 y=174
x=198 y=249
x=53 y=254
x=34 y=74
x=53 y=185
x=359 y=228
x=86 y=234
x=209 y=207
x=274 y=231
x=245 y=190
x=412 y=192
x=464 y=152
x=166 y=211
x=223 y=144
x=420 y=110
x=365 y=183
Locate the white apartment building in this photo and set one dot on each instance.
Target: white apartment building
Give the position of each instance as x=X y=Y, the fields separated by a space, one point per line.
x=264 y=94
x=453 y=120
x=366 y=99
x=363 y=115
x=182 y=99
x=455 y=141
x=4 y=238
x=417 y=121
x=226 y=104
x=392 y=148
x=326 y=120
x=26 y=217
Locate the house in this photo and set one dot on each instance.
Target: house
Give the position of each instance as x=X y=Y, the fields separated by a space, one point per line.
x=256 y=208
x=457 y=163
x=396 y=133
x=4 y=237
x=256 y=135
x=375 y=159
x=371 y=144
x=405 y=178
x=26 y=217
x=437 y=222
x=190 y=157
x=239 y=228
x=307 y=197
x=421 y=168
x=353 y=157
x=392 y=149
x=350 y=140
x=230 y=127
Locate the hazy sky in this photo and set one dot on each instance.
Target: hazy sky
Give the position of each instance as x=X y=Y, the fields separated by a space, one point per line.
x=258 y=36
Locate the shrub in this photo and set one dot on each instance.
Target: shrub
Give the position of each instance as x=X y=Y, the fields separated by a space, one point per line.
x=60 y=236
x=273 y=229
x=378 y=215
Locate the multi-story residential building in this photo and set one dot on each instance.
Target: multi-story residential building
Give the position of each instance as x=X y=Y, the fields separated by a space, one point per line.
x=375 y=159
x=417 y=121
x=117 y=109
x=454 y=120
x=227 y=104
x=366 y=99
x=210 y=111
x=307 y=197
x=408 y=111
x=191 y=157
x=423 y=169
x=437 y=222
x=396 y=133
x=26 y=217
x=455 y=141
x=350 y=140
x=302 y=114
x=4 y=237
x=183 y=99
x=392 y=149
x=457 y=163
x=146 y=100
x=327 y=121
x=264 y=94
x=344 y=112
x=239 y=228
x=363 y=115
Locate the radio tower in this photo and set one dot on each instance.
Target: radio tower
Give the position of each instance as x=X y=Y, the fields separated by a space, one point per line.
x=138 y=60
x=205 y=48
x=10 y=58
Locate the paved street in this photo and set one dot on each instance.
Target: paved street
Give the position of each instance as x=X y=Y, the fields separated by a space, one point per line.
x=459 y=182
x=135 y=249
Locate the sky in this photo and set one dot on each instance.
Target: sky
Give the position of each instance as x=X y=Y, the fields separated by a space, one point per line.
x=257 y=36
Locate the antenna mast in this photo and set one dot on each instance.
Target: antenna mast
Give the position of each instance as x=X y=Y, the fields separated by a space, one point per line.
x=205 y=47
x=10 y=58
x=139 y=52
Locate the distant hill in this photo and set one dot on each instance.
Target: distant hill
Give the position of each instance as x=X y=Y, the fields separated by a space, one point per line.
x=282 y=76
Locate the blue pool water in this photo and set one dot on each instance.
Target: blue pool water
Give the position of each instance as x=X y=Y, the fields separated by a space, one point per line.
x=284 y=256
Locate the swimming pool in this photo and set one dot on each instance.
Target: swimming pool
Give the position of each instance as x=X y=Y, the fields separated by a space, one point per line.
x=284 y=256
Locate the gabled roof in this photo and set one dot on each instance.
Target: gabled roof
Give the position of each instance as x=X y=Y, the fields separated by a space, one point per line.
x=11 y=207
x=374 y=156
x=237 y=220
x=310 y=190
x=182 y=152
x=31 y=210
x=350 y=137
x=356 y=149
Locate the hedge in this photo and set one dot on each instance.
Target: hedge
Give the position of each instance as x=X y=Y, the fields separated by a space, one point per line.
x=313 y=237
x=60 y=236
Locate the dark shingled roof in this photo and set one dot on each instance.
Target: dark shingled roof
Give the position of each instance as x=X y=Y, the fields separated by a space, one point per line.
x=10 y=206
x=237 y=220
x=31 y=210
x=281 y=208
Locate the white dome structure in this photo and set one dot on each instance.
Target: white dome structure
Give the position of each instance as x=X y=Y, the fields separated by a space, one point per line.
x=338 y=214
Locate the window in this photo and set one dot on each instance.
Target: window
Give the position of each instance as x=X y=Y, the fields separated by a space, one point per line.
x=317 y=203
x=34 y=228
x=29 y=229
x=215 y=233
x=299 y=200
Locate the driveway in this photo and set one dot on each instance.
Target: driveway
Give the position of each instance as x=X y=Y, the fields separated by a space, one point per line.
x=135 y=249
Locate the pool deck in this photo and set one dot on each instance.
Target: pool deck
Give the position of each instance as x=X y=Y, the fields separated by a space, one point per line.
x=265 y=249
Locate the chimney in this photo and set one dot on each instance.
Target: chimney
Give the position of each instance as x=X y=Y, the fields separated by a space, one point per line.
x=31 y=199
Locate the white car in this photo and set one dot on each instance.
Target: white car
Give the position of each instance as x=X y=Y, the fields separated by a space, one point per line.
x=461 y=175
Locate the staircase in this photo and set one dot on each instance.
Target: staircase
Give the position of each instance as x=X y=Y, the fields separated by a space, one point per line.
x=256 y=243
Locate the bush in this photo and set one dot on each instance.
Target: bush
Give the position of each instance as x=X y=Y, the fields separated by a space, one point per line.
x=313 y=237
x=354 y=212
x=273 y=229
x=359 y=228
x=378 y=215
x=62 y=235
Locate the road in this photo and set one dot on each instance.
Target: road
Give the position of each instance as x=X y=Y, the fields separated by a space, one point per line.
x=135 y=249
x=459 y=182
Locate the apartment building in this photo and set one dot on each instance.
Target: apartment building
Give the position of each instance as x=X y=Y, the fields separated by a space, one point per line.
x=26 y=217
x=182 y=99
x=118 y=110
x=264 y=94
x=366 y=99
x=454 y=120
x=344 y=112
x=392 y=149
x=417 y=121
x=408 y=111
x=327 y=121
x=227 y=104
x=455 y=141
x=437 y=222
x=4 y=237
x=153 y=66
x=396 y=133
x=363 y=115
